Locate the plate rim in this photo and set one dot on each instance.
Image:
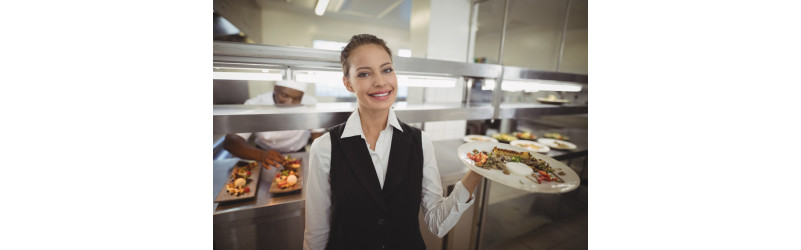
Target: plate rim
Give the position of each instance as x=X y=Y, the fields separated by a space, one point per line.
x=566 y=142
x=464 y=138
x=534 y=142
x=551 y=161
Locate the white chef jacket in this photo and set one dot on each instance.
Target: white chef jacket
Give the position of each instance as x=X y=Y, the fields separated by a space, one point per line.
x=440 y=213
x=281 y=141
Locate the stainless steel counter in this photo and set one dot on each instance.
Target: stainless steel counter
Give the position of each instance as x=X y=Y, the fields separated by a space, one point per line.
x=267 y=221
x=276 y=221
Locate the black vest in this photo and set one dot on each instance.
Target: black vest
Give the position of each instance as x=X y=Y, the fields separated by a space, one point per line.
x=363 y=216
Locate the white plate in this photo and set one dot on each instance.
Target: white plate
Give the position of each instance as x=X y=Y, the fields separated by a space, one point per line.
x=571 y=179
x=478 y=138
x=552 y=143
x=541 y=148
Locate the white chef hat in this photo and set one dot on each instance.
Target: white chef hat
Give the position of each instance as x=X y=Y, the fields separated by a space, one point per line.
x=292 y=84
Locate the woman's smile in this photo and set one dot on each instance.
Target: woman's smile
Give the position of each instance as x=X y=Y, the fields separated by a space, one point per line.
x=380 y=95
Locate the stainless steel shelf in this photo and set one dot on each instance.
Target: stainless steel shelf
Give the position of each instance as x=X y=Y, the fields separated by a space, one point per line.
x=241 y=118
x=526 y=110
x=227 y=53
x=250 y=118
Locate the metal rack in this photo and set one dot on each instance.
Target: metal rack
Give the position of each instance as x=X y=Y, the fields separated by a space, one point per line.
x=242 y=118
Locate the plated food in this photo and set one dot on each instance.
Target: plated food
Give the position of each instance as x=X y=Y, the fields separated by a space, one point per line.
x=242 y=182
x=518 y=168
x=557 y=136
x=525 y=135
x=291 y=163
x=504 y=137
x=551 y=99
x=531 y=145
x=557 y=144
x=473 y=138
x=286 y=181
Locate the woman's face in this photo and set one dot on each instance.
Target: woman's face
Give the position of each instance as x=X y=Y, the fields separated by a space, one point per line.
x=372 y=77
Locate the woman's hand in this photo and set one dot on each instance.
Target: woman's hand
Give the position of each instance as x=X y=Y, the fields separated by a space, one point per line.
x=272 y=158
x=471 y=180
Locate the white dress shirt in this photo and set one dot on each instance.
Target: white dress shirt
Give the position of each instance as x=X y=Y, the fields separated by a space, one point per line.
x=440 y=213
x=281 y=141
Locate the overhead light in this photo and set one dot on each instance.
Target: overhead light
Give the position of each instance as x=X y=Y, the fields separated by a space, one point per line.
x=248 y=76
x=320 y=8
x=533 y=85
x=404 y=52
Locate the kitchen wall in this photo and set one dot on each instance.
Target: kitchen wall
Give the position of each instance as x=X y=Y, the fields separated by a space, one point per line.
x=533 y=35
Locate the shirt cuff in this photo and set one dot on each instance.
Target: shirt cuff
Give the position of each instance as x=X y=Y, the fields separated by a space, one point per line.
x=462 y=195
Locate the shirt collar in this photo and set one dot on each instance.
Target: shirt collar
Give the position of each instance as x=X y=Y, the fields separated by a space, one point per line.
x=353 y=127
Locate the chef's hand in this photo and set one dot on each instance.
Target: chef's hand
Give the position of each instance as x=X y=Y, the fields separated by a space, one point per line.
x=272 y=158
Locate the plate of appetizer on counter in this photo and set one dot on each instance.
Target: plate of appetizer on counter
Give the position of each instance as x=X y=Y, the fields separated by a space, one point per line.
x=286 y=181
x=291 y=163
x=551 y=99
x=557 y=136
x=531 y=145
x=505 y=138
x=525 y=135
x=557 y=144
x=474 y=138
x=241 y=183
x=518 y=168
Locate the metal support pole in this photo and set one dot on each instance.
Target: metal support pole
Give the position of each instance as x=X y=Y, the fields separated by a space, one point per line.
x=503 y=31
x=482 y=214
x=564 y=33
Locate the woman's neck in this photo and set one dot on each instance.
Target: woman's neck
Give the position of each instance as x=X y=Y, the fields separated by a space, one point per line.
x=373 y=121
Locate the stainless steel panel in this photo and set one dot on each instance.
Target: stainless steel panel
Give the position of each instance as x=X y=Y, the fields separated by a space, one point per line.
x=521 y=111
x=226 y=52
x=252 y=118
x=516 y=73
x=296 y=64
x=277 y=52
x=420 y=65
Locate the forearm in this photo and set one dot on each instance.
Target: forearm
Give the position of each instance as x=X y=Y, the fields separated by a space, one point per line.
x=471 y=180
x=238 y=147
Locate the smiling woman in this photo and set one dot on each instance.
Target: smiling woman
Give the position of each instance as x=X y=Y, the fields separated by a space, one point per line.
x=356 y=198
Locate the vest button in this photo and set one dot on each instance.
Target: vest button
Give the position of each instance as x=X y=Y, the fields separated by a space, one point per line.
x=380 y=221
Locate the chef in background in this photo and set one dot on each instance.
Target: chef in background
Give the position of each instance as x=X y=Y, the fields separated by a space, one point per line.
x=270 y=145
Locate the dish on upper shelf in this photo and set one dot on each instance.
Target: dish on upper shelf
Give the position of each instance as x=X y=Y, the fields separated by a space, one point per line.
x=557 y=144
x=505 y=138
x=557 y=136
x=473 y=138
x=531 y=145
x=525 y=135
x=551 y=99
x=242 y=182
x=518 y=168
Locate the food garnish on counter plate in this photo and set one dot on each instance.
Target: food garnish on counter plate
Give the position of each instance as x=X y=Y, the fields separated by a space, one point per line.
x=291 y=163
x=525 y=135
x=286 y=179
x=513 y=162
x=240 y=177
